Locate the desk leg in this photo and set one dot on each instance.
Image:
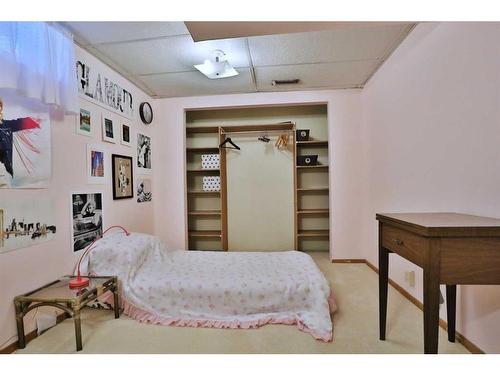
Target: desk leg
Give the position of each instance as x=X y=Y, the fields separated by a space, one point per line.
x=451 y=305
x=78 y=329
x=21 y=339
x=431 y=310
x=383 y=279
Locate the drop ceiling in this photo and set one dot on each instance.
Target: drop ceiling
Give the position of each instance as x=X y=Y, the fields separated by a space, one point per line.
x=159 y=56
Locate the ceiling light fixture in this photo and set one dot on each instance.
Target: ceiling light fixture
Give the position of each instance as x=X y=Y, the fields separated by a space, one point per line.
x=219 y=67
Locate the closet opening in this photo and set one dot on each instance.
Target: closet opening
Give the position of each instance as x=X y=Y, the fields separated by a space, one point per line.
x=257 y=179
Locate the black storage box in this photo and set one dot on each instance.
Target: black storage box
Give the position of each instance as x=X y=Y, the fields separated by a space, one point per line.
x=302 y=134
x=304 y=160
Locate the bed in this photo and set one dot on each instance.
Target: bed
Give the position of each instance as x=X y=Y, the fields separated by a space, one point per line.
x=215 y=289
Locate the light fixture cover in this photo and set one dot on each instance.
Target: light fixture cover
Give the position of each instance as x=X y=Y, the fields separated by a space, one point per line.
x=220 y=68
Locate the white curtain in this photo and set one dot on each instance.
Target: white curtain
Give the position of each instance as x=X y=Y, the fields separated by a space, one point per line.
x=38 y=61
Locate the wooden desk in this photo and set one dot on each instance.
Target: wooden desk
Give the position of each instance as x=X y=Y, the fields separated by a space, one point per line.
x=451 y=248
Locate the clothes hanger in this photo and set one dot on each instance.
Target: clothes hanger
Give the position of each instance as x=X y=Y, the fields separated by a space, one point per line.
x=228 y=140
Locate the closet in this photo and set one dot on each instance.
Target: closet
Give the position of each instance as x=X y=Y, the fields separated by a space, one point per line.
x=266 y=201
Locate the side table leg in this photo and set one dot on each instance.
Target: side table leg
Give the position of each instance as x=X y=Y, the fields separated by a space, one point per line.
x=21 y=340
x=116 y=302
x=78 y=329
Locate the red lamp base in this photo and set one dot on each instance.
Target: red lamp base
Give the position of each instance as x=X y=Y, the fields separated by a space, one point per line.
x=79 y=282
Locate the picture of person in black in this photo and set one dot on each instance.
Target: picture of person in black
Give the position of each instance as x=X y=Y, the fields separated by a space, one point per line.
x=7 y=130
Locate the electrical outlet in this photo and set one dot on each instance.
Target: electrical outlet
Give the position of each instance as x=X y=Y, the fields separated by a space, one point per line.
x=410 y=278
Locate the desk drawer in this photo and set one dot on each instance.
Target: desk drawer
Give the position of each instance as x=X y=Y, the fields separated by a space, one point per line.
x=404 y=243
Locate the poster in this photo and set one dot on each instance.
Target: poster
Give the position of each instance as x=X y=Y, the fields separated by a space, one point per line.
x=24 y=148
x=26 y=222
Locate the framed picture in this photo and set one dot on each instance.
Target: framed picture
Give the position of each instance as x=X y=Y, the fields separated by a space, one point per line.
x=144 y=190
x=86 y=210
x=126 y=135
x=108 y=130
x=84 y=123
x=96 y=165
x=144 y=152
x=123 y=180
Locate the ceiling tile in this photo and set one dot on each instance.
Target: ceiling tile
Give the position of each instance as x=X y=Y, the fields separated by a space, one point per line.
x=324 y=75
x=175 y=54
x=352 y=43
x=159 y=56
x=106 y=32
x=195 y=83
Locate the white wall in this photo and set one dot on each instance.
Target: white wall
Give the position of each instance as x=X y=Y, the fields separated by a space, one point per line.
x=344 y=121
x=431 y=136
x=25 y=269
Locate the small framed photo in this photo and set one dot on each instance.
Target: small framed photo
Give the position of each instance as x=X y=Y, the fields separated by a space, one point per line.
x=144 y=153
x=84 y=122
x=87 y=223
x=126 y=135
x=96 y=165
x=144 y=190
x=123 y=179
x=108 y=129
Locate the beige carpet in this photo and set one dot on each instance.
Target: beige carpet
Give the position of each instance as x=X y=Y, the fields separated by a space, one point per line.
x=355 y=327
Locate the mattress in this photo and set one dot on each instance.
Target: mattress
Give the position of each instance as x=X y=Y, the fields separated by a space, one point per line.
x=215 y=289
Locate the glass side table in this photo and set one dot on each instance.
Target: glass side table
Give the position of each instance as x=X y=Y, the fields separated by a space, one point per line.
x=58 y=294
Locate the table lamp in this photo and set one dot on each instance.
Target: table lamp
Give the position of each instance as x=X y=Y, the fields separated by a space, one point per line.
x=81 y=282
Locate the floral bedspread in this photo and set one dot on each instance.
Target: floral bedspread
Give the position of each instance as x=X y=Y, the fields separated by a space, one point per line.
x=215 y=289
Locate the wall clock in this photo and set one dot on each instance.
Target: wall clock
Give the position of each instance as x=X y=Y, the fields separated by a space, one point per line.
x=146 y=113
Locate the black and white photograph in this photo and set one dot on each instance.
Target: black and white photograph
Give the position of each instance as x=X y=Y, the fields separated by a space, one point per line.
x=144 y=190
x=143 y=151
x=87 y=219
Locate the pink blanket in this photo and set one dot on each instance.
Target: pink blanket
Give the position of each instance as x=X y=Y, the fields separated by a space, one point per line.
x=215 y=289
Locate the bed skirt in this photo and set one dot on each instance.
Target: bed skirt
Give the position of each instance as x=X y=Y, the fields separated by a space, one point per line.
x=144 y=316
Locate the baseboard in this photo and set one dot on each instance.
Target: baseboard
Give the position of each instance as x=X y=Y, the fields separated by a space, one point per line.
x=459 y=337
x=11 y=348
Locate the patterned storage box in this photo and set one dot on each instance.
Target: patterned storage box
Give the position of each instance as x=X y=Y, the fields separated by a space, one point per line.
x=211 y=183
x=210 y=161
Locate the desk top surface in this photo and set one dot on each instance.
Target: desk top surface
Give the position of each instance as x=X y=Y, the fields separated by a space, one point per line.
x=444 y=223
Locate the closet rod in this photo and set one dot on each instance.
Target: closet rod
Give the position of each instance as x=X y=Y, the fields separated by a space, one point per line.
x=257 y=131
